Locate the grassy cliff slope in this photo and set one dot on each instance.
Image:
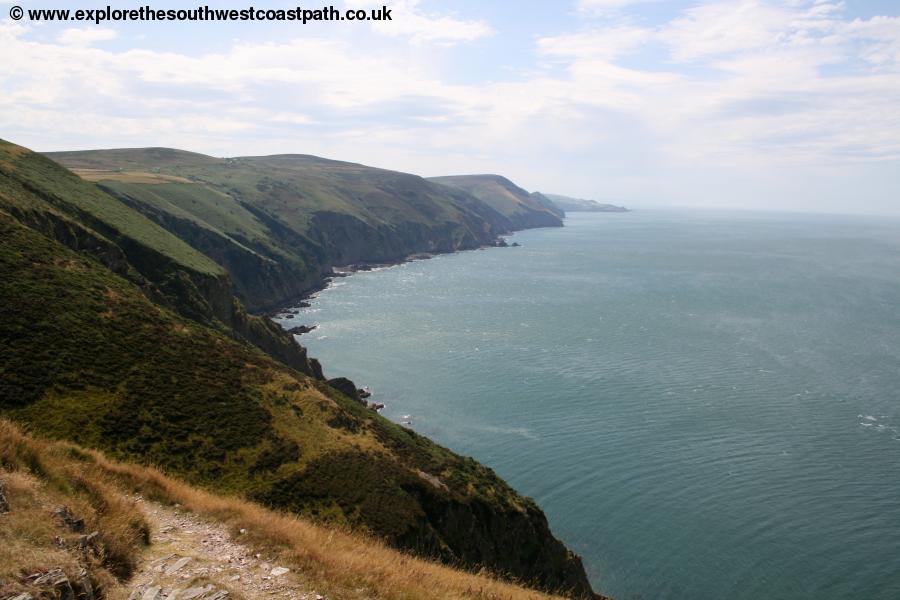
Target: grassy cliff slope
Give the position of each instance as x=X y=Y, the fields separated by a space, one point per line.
x=569 y=204
x=95 y=351
x=521 y=208
x=278 y=223
x=112 y=533
x=53 y=201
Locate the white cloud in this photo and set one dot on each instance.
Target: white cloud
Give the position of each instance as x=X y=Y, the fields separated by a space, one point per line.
x=408 y=20
x=86 y=36
x=747 y=86
x=607 y=43
x=605 y=6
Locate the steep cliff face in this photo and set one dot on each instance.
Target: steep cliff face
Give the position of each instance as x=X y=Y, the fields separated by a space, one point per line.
x=118 y=335
x=278 y=224
x=348 y=240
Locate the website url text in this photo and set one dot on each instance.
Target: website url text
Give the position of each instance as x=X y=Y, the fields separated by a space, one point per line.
x=201 y=13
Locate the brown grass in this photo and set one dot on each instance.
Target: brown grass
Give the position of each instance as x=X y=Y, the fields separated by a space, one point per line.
x=340 y=563
x=38 y=478
x=128 y=176
x=343 y=563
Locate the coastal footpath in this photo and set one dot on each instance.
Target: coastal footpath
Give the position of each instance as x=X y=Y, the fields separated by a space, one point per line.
x=76 y=524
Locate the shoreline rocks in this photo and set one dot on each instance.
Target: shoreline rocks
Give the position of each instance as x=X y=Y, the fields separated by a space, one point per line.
x=301 y=329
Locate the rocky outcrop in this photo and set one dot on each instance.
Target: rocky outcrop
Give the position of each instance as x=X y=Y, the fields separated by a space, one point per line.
x=56 y=584
x=346 y=387
x=302 y=329
x=69 y=520
x=272 y=339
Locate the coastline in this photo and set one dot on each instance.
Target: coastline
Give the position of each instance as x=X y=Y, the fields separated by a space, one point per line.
x=378 y=396
x=292 y=310
x=286 y=308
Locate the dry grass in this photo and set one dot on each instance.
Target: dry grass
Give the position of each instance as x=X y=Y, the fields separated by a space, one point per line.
x=38 y=478
x=343 y=563
x=39 y=475
x=128 y=176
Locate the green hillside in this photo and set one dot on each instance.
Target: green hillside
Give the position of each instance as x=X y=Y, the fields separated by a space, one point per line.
x=66 y=192
x=521 y=208
x=278 y=224
x=569 y=204
x=101 y=348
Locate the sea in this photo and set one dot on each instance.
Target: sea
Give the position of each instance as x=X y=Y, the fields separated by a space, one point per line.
x=706 y=404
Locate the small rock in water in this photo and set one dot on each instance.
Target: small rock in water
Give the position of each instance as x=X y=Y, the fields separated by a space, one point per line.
x=301 y=329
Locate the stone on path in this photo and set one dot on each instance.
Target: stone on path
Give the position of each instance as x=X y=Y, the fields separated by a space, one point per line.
x=196 y=592
x=178 y=565
x=152 y=593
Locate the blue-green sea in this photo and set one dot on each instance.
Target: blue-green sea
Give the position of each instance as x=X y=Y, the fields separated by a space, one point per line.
x=706 y=404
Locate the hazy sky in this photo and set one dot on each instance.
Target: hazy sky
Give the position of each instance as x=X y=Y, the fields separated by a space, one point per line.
x=748 y=103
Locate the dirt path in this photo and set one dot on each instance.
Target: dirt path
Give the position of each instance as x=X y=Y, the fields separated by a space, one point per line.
x=192 y=559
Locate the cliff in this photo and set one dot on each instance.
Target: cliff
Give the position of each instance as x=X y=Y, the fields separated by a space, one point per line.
x=76 y=524
x=519 y=208
x=118 y=335
x=278 y=224
x=567 y=204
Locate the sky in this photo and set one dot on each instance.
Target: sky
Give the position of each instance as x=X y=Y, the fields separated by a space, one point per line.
x=772 y=104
